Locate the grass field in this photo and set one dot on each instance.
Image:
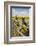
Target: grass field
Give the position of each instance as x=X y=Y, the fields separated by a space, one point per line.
x=20 y=26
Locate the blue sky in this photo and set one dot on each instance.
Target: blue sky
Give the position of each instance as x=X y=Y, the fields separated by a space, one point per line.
x=20 y=11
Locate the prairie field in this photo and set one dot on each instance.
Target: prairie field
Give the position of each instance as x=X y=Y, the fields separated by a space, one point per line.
x=20 y=26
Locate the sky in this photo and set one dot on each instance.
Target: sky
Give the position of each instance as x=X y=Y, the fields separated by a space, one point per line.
x=20 y=11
